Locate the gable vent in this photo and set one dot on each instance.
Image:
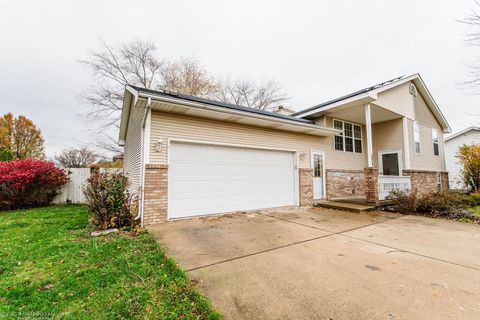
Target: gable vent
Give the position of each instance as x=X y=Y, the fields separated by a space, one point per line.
x=413 y=90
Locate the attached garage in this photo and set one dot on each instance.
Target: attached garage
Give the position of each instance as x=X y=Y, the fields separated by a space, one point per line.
x=209 y=179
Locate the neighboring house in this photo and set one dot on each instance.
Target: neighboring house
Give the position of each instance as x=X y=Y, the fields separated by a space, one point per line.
x=187 y=156
x=467 y=136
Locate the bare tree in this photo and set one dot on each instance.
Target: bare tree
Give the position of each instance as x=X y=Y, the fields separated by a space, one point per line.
x=134 y=63
x=76 y=158
x=473 y=38
x=188 y=76
x=245 y=92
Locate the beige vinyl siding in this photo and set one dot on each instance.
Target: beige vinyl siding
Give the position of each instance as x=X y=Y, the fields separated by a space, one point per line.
x=426 y=160
x=423 y=113
x=133 y=148
x=398 y=100
x=166 y=125
x=348 y=160
x=387 y=135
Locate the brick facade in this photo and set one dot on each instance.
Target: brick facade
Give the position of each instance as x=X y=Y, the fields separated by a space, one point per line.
x=371 y=185
x=155 y=194
x=306 y=186
x=343 y=184
x=426 y=181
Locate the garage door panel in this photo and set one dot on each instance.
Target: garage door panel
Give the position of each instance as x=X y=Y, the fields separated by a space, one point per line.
x=209 y=179
x=184 y=188
x=191 y=171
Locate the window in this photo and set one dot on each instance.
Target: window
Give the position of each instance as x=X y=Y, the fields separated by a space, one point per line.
x=416 y=136
x=413 y=90
x=435 y=141
x=439 y=182
x=338 y=138
x=350 y=140
x=317 y=166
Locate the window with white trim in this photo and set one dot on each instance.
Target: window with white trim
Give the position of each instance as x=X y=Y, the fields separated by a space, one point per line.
x=436 y=151
x=416 y=136
x=439 y=182
x=350 y=140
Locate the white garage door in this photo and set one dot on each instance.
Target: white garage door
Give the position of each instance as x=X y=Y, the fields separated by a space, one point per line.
x=208 y=179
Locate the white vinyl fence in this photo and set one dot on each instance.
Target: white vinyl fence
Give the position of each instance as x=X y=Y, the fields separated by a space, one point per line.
x=72 y=191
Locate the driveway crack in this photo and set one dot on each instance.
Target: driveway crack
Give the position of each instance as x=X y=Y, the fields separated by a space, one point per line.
x=330 y=234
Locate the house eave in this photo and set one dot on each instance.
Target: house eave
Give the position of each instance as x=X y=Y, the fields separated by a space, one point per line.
x=372 y=96
x=130 y=98
x=175 y=105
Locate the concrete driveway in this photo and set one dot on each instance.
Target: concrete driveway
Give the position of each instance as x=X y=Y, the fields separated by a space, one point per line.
x=325 y=264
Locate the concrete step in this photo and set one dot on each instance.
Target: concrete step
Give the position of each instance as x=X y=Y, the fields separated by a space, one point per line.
x=353 y=207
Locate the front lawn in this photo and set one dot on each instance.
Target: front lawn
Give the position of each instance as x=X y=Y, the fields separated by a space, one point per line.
x=51 y=268
x=476 y=210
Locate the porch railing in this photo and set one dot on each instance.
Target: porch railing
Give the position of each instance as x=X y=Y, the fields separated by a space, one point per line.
x=386 y=184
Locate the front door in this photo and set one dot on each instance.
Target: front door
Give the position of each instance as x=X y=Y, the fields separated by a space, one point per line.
x=390 y=163
x=318 y=166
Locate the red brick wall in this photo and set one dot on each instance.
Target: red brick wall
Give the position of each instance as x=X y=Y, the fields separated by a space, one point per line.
x=306 y=186
x=426 y=181
x=156 y=194
x=343 y=184
x=371 y=185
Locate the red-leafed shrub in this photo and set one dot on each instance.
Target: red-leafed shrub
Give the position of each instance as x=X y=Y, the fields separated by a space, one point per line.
x=26 y=183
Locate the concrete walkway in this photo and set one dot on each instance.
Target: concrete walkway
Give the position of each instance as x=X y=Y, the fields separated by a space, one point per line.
x=327 y=264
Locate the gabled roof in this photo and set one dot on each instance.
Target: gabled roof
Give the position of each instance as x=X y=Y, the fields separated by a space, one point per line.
x=187 y=97
x=215 y=109
x=347 y=96
x=453 y=136
x=370 y=94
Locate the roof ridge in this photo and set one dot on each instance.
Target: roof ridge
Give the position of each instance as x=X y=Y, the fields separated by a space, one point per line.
x=352 y=94
x=459 y=133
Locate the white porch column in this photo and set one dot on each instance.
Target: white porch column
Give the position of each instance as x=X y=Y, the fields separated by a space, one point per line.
x=368 y=125
x=406 y=143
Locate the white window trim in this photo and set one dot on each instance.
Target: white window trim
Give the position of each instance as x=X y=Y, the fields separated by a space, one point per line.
x=400 y=161
x=324 y=182
x=437 y=143
x=439 y=182
x=417 y=125
x=343 y=135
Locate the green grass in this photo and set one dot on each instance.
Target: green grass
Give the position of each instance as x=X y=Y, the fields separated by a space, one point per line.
x=50 y=267
x=476 y=210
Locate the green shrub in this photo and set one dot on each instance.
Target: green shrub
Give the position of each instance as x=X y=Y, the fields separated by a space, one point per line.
x=473 y=199
x=6 y=155
x=108 y=200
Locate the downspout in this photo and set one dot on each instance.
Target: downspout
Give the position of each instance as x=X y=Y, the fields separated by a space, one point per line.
x=142 y=163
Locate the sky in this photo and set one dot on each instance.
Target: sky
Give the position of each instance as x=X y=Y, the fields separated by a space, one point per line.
x=317 y=50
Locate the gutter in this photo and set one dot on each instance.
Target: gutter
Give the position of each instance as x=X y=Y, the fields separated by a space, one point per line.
x=236 y=112
x=142 y=162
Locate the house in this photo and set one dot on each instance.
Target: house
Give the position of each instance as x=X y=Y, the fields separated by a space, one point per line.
x=453 y=142
x=188 y=156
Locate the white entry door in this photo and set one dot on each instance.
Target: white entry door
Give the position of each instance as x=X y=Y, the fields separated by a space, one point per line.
x=208 y=179
x=318 y=166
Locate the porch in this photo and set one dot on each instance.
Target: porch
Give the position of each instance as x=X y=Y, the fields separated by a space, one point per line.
x=383 y=142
